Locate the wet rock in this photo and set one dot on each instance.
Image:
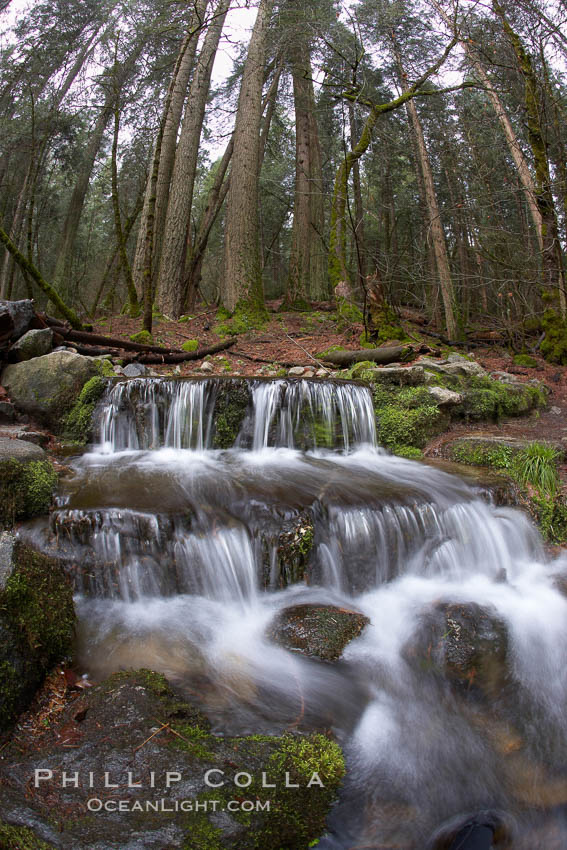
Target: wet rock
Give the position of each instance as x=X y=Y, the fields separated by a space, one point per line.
x=48 y=386
x=309 y=373
x=444 y=397
x=496 y=487
x=27 y=481
x=322 y=373
x=286 y=551
x=135 y=370
x=206 y=367
x=134 y=724
x=296 y=371
x=460 y=367
x=232 y=403
x=36 y=622
x=322 y=631
x=32 y=344
x=467 y=644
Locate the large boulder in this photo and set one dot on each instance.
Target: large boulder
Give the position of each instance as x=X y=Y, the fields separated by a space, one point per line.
x=47 y=387
x=36 y=622
x=34 y=343
x=132 y=728
x=15 y=318
x=321 y=631
x=27 y=481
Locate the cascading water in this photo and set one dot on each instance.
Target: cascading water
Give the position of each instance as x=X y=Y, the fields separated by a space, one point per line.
x=178 y=547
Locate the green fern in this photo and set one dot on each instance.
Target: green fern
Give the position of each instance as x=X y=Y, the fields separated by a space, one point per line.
x=536 y=465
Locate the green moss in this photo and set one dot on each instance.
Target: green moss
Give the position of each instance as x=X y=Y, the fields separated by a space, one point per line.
x=525 y=360
x=321 y=355
x=247 y=316
x=26 y=489
x=191 y=739
x=20 y=838
x=142 y=337
x=78 y=424
x=184 y=319
x=37 y=619
x=554 y=346
x=348 y=314
x=409 y=452
x=402 y=426
x=190 y=345
x=106 y=369
x=479 y=453
x=203 y=835
x=232 y=403
x=485 y=398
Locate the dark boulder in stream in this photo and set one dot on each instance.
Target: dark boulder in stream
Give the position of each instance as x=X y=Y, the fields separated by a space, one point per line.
x=322 y=631
x=465 y=642
x=156 y=752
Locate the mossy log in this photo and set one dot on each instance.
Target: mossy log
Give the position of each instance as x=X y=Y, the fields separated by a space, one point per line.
x=395 y=354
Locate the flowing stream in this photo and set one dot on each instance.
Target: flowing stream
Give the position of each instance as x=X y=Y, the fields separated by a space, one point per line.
x=177 y=544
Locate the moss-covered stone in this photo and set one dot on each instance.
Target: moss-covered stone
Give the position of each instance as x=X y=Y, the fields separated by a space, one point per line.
x=142 y=337
x=233 y=400
x=286 y=551
x=36 y=622
x=190 y=345
x=27 y=482
x=20 y=838
x=47 y=387
x=407 y=417
x=164 y=733
x=79 y=422
x=322 y=631
x=526 y=361
x=348 y=314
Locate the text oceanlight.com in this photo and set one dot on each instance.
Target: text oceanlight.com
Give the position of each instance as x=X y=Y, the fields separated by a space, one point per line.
x=95 y=804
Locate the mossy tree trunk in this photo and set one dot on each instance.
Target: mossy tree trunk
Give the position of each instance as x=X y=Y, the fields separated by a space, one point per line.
x=551 y=247
x=29 y=269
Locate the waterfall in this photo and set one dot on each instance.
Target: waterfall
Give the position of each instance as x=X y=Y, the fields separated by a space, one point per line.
x=155 y=413
x=176 y=553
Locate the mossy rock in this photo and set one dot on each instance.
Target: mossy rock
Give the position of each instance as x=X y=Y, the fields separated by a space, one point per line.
x=247 y=316
x=47 y=387
x=407 y=417
x=27 y=481
x=526 y=361
x=79 y=422
x=190 y=345
x=142 y=338
x=115 y=734
x=293 y=544
x=232 y=403
x=321 y=631
x=36 y=622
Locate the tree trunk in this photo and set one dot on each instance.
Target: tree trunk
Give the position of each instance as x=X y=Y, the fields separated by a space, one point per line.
x=242 y=267
x=358 y=223
x=165 y=155
x=120 y=237
x=306 y=264
x=551 y=251
x=62 y=273
x=171 y=287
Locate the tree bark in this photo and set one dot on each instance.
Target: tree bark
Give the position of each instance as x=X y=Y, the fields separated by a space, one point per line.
x=307 y=274
x=171 y=288
x=165 y=154
x=242 y=265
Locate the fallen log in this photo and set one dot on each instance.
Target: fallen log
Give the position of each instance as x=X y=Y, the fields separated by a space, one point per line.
x=178 y=356
x=87 y=338
x=383 y=356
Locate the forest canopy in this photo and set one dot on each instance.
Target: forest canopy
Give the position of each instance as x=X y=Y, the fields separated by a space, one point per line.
x=391 y=153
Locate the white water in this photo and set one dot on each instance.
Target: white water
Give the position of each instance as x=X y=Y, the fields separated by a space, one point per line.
x=175 y=585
